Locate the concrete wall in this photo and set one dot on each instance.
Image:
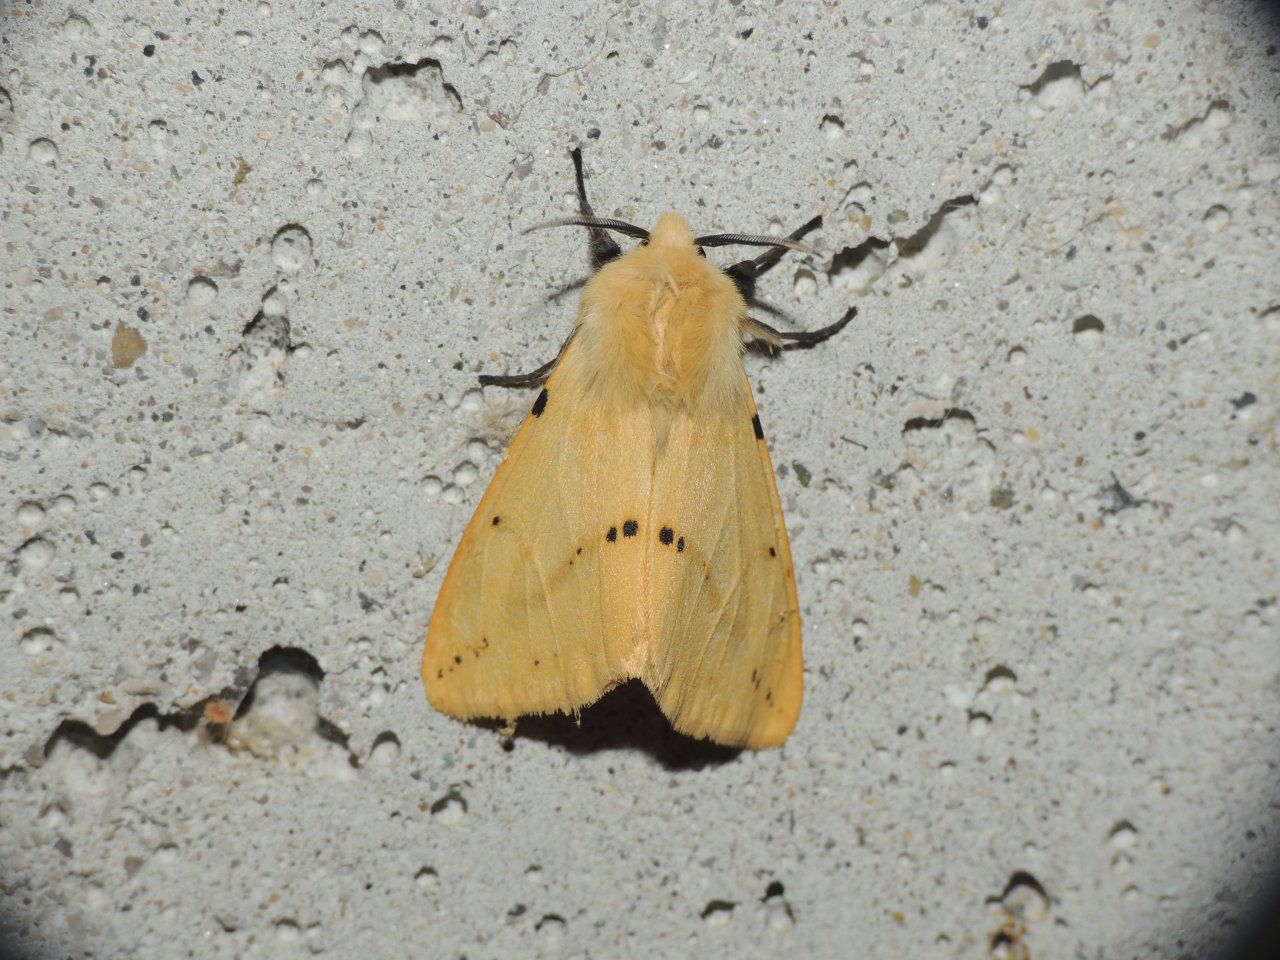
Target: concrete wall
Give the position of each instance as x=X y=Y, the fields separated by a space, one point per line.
x=254 y=256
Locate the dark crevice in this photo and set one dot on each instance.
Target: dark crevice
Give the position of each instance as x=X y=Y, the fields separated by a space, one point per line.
x=1174 y=131
x=80 y=734
x=1022 y=879
x=274 y=330
x=917 y=241
x=930 y=423
x=454 y=796
x=388 y=71
x=717 y=906
x=281 y=660
x=1000 y=672
x=1058 y=70
x=1088 y=323
x=850 y=258
x=297 y=661
x=385 y=737
x=209 y=716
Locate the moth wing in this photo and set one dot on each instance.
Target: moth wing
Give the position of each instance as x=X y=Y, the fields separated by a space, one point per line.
x=536 y=611
x=725 y=660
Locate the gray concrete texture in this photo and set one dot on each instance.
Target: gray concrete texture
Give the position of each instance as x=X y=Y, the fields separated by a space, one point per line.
x=254 y=255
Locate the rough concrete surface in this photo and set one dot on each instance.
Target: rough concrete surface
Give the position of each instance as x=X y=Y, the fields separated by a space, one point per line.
x=254 y=255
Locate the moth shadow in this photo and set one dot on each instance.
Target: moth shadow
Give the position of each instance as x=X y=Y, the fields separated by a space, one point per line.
x=554 y=297
x=625 y=718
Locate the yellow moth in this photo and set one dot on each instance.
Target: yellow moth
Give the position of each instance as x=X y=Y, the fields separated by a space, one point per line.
x=633 y=529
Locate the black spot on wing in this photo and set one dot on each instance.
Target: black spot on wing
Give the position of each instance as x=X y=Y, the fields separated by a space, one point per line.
x=680 y=545
x=773 y=552
x=755 y=425
x=540 y=404
x=612 y=535
x=630 y=528
x=496 y=521
x=666 y=535
x=457 y=659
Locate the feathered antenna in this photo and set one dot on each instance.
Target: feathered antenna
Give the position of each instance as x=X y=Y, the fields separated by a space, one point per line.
x=599 y=223
x=752 y=240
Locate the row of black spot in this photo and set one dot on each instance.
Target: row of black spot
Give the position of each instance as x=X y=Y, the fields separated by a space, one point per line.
x=629 y=529
x=666 y=536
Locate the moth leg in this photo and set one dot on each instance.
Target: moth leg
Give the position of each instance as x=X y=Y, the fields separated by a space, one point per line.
x=534 y=378
x=773 y=340
x=745 y=272
x=603 y=247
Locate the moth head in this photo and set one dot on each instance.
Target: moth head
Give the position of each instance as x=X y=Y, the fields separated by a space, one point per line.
x=671 y=233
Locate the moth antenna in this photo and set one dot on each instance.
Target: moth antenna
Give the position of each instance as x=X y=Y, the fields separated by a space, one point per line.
x=753 y=240
x=598 y=223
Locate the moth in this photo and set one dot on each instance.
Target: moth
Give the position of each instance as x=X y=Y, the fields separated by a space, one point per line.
x=633 y=529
